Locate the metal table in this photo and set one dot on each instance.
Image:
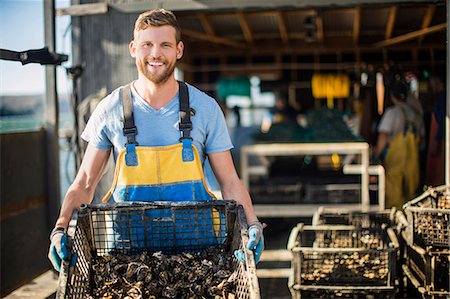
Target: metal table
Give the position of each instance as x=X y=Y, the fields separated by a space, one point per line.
x=297 y=149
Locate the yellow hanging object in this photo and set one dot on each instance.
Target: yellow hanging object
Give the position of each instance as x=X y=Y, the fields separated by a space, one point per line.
x=330 y=86
x=335 y=159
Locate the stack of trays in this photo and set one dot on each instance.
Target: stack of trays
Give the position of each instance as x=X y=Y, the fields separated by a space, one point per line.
x=354 y=256
x=427 y=249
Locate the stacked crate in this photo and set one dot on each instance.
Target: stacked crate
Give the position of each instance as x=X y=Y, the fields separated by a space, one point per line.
x=375 y=219
x=344 y=254
x=427 y=242
x=171 y=228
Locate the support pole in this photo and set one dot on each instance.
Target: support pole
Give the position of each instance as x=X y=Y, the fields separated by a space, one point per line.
x=51 y=118
x=447 y=118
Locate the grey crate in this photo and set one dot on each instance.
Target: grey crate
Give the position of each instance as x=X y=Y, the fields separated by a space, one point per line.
x=429 y=218
x=341 y=261
x=170 y=227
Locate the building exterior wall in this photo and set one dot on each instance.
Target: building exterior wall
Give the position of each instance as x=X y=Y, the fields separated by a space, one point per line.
x=24 y=208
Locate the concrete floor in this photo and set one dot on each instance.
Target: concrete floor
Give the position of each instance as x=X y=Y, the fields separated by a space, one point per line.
x=276 y=237
x=43 y=287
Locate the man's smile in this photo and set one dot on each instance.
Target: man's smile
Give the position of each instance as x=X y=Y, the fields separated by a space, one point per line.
x=155 y=64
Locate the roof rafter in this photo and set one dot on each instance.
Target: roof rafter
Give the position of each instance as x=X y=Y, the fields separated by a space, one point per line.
x=245 y=27
x=319 y=24
x=216 y=39
x=426 y=21
x=206 y=24
x=270 y=13
x=356 y=25
x=320 y=34
x=410 y=35
x=391 y=22
x=282 y=27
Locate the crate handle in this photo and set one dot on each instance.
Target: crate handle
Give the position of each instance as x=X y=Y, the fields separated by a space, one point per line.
x=293 y=236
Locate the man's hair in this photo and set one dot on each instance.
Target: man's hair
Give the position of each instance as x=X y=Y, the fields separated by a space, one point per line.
x=157 y=18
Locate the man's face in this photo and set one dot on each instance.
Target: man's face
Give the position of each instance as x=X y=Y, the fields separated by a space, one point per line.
x=156 y=52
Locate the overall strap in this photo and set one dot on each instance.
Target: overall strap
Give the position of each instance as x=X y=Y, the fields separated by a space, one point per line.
x=129 y=128
x=408 y=124
x=185 y=125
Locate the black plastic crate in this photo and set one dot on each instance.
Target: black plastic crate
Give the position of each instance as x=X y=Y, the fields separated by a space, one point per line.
x=431 y=269
x=429 y=218
x=342 y=261
x=414 y=288
x=372 y=219
x=281 y=190
x=169 y=227
x=333 y=193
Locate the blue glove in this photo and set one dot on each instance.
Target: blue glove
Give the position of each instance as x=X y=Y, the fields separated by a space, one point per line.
x=59 y=250
x=255 y=242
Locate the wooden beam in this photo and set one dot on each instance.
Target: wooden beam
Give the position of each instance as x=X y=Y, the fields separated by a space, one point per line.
x=270 y=13
x=83 y=9
x=298 y=47
x=245 y=27
x=194 y=6
x=356 y=25
x=144 y=5
x=274 y=69
x=216 y=39
x=319 y=24
x=391 y=22
x=282 y=27
x=343 y=10
x=427 y=19
x=297 y=35
x=206 y=24
x=411 y=35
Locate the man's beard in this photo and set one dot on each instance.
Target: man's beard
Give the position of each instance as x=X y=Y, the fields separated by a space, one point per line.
x=157 y=79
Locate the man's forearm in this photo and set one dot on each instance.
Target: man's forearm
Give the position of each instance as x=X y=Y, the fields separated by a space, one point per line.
x=73 y=200
x=381 y=143
x=82 y=189
x=236 y=191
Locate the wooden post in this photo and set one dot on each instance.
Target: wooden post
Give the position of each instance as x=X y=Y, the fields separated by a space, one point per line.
x=447 y=119
x=51 y=118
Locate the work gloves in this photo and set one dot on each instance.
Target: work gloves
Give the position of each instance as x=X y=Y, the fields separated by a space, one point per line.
x=59 y=249
x=255 y=242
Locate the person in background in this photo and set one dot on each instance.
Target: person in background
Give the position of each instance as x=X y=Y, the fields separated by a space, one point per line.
x=399 y=133
x=152 y=114
x=283 y=111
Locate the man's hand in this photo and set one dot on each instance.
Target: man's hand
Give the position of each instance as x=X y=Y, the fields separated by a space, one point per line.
x=59 y=250
x=255 y=242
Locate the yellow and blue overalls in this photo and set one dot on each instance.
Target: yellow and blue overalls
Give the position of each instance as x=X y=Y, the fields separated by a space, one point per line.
x=401 y=161
x=161 y=173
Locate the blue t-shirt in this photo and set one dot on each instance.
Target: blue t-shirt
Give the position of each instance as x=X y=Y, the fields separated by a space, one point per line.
x=158 y=127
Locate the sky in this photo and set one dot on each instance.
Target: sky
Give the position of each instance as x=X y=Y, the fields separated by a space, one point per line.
x=22 y=28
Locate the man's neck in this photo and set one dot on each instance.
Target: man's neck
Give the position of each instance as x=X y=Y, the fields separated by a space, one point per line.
x=156 y=95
